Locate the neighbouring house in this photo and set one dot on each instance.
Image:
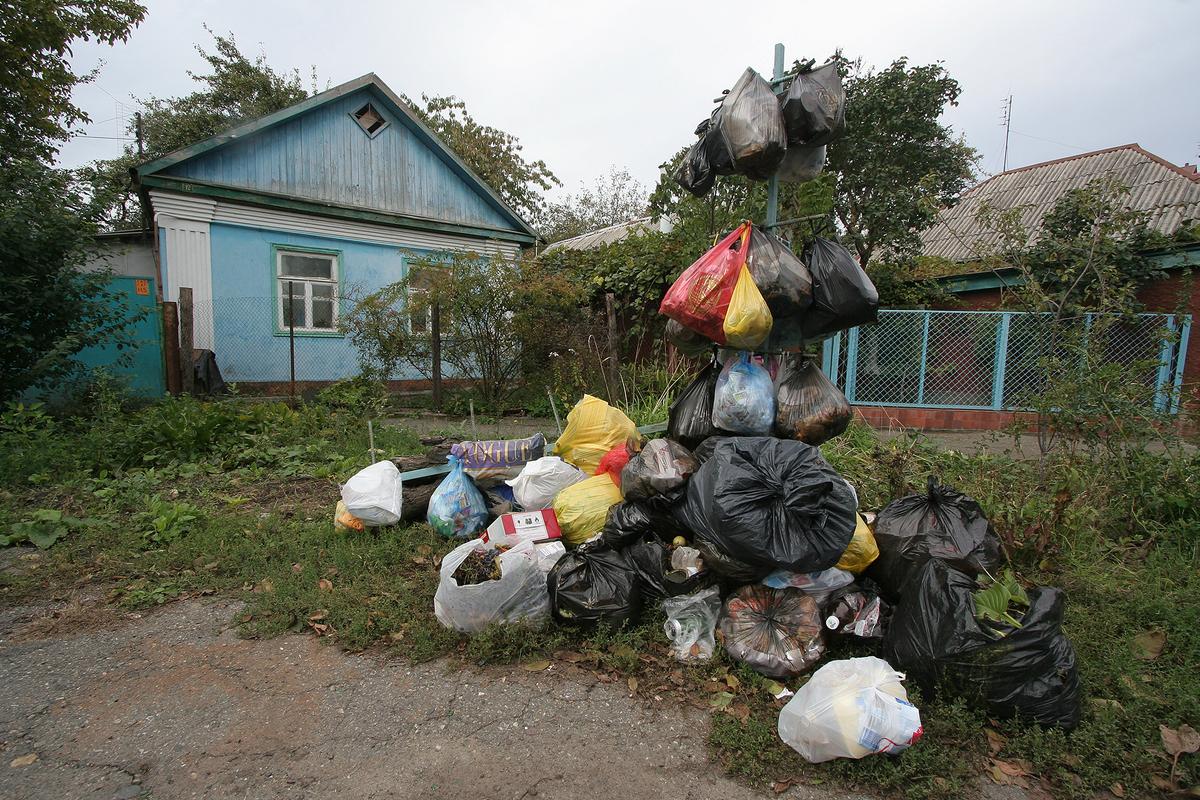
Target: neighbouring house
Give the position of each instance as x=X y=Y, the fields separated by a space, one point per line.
x=612 y=234
x=278 y=224
x=953 y=368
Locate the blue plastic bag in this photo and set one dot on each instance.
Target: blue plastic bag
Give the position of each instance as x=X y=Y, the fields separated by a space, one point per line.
x=457 y=508
x=744 y=401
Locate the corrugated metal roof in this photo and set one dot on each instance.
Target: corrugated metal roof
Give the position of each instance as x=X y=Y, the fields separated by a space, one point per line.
x=1170 y=194
x=609 y=235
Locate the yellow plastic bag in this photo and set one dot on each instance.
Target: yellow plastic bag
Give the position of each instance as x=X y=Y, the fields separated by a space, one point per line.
x=593 y=428
x=862 y=549
x=748 y=320
x=582 y=507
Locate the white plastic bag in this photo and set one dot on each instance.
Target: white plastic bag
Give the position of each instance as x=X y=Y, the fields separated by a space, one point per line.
x=541 y=480
x=519 y=596
x=691 y=624
x=373 y=494
x=850 y=709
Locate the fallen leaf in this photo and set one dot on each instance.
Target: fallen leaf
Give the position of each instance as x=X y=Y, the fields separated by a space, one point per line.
x=1117 y=789
x=1012 y=768
x=739 y=711
x=1184 y=739
x=325 y=585
x=296 y=568
x=995 y=741
x=23 y=761
x=319 y=627
x=536 y=666
x=567 y=655
x=318 y=615
x=1104 y=702
x=676 y=677
x=1149 y=644
x=623 y=651
x=265 y=586
x=714 y=687
x=732 y=682
x=332 y=571
x=632 y=682
x=396 y=636
x=1162 y=783
x=721 y=701
x=779 y=787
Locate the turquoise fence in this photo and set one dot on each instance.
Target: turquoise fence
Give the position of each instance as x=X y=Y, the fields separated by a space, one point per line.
x=991 y=360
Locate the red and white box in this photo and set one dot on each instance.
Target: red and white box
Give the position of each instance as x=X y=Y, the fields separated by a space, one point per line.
x=510 y=530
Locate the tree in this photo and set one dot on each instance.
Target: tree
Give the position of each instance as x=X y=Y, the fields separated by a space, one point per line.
x=494 y=155
x=51 y=309
x=236 y=89
x=36 y=112
x=614 y=198
x=896 y=165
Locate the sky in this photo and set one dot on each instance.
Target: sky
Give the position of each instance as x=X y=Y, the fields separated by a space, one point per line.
x=591 y=86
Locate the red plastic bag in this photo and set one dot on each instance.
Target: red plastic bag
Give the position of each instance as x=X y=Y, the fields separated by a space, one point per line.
x=699 y=298
x=613 y=462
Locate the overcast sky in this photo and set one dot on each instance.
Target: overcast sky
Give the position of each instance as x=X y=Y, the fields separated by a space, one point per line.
x=586 y=86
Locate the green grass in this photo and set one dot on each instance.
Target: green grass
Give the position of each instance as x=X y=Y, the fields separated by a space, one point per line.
x=192 y=498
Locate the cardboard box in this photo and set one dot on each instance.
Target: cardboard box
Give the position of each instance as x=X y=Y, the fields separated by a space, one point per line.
x=510 y=529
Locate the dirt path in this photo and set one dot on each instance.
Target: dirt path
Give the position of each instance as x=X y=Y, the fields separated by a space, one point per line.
x=174 y=705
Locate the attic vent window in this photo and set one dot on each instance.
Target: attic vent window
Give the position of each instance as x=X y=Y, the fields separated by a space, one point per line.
x=370 y=120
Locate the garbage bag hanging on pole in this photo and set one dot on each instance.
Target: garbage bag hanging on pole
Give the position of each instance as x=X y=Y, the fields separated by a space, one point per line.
x=801 y=164
x=779 y=274
x=814 y=107
x=744 y=399
x=942 y=523
x=699 y=298
x=1029 y=670
x=689 y=420
x=695 y=173
x=752 y=126
x=770 y=503
x=748 y=318
x=808 y=407
x=843 y=295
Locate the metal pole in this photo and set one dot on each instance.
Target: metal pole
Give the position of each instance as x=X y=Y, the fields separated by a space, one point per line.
x=773 y=184
x=554 y=410
x=371 y=440
x=474 y=433
x=292 y=339
x=435 y=352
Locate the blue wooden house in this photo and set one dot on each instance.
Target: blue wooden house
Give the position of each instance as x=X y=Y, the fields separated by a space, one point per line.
x=331 y=197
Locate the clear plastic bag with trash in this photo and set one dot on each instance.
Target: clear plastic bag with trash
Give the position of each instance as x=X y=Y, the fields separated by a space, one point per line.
x=516 y=595
x=373 y=494
x=691 y=624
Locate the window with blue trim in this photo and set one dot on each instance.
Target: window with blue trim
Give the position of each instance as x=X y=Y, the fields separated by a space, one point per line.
x=307 y=290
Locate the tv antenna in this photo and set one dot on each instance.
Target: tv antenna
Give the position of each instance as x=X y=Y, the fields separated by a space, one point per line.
x=1006 y=121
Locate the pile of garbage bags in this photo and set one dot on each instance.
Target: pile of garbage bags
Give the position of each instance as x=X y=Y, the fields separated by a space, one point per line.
x=756 y=133
x=754 y=545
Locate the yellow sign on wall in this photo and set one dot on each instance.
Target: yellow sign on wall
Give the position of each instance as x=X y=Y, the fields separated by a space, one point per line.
x=141 y=286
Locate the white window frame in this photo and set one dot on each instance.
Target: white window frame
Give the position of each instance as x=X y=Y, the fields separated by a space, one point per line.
x=307 y=284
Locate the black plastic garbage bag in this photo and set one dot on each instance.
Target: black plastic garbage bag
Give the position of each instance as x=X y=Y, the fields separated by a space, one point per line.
x=942 y=523
x=661 y=469
x=935 y=638
x=801 y=164
x=777 y=632
x=689 y=420
x=689 y=342
x=770 y=503
x=704 y=450
x=715 y=148
x=651 y=559
x=695 y=173
x=808 y=407
x=594 y=584
x=814 y=107
x=629 y=521
x=752 y=126
x=779 y=274
x=843 y=295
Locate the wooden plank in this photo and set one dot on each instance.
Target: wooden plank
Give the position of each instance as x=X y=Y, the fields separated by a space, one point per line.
x=170 y=340
x=187 y=373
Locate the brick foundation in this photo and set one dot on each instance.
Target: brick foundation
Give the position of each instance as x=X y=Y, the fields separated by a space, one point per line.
x=941 y=419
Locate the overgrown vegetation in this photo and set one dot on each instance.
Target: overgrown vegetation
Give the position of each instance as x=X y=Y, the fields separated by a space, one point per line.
x=185 y=498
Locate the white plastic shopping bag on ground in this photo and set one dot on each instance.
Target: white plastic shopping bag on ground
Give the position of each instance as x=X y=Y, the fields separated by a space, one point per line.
x=541 y=480
x=850 y=709
x=520 y=594
x=373 y=494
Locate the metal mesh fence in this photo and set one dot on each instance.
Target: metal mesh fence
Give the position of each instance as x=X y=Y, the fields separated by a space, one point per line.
x=995 y=359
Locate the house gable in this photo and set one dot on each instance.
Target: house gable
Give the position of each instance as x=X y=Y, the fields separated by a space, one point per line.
x=317 y=153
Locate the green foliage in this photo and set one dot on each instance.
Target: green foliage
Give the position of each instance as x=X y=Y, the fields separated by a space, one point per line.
x=360 y=395
x=50 y=309
x=36 y=112
x=615 y=198
x=236 y=89
x=42 y=528
x=164 y=521
x=493 y=154
x=999 y=599
x=896 y=165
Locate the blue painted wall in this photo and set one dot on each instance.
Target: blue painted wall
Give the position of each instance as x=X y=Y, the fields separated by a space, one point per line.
x=143 y=369
x=324 y=155
x=248 y=346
